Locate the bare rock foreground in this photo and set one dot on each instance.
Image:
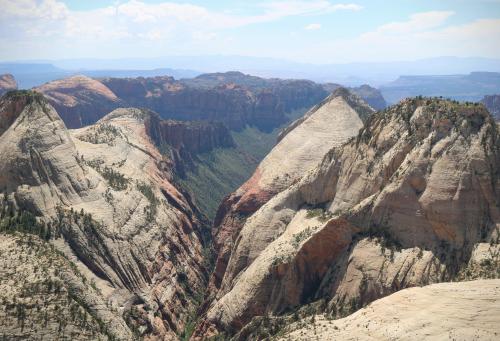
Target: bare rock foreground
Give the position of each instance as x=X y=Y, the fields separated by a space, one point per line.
x=445 y=311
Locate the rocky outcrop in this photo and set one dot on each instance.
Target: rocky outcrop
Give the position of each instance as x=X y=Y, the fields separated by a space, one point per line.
x=181 y=140
x=79 y=100
x=369 y=94
x=300 y=148
x=194 y=136
x=101 y=197
x=409 y=201
x=455 y=311
x=236 y=99
x=41 y=294
x=292 y=93
x=492 y=103
x=7 y=83
x=235 y=104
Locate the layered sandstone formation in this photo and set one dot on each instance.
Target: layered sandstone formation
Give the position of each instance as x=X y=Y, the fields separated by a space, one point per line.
x=292 y=93
x=236 y=99
x=492 y=103
x=447 y=311
x=182 y=140
x=7 y=83
x=235 y=103
x=412 y=199
x=301 y=146
x=79 y=100
x=126 y=244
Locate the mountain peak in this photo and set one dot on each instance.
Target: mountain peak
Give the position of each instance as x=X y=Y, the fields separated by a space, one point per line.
x=13 y=103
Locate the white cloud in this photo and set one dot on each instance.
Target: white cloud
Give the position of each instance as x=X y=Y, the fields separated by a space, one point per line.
x=312 y=27
x=422 y=35
x=418 y=22
x=48 y=29
x=278 y=9
x=140 y=19
x=133 y=26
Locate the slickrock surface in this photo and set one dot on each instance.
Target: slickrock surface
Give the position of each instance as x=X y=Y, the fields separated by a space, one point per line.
x=7 y=83
x=103 y=196
x=79 y=100
x=446 y=311
x=413 y=199
x=302 y=145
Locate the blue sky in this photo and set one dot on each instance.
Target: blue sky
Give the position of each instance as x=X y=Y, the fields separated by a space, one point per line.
x=316 y=31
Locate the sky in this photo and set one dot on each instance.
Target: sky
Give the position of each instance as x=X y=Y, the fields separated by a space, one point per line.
x=315 y=31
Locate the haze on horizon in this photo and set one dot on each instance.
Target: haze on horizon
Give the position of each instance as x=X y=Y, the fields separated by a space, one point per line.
x=316 y=31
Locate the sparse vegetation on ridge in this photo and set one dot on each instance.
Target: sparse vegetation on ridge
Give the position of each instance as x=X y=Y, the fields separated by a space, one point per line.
x=102 y=133
x=115 y=179
x=148 y=192
x=49 y=302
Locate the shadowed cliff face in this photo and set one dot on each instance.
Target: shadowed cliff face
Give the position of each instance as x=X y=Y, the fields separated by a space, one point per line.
x=7 y=83
x=412 y=199
x=369 y=94
x=101 y=197
x=492 y=103
x=182 y=140
x=233 y=98
x=229 y=100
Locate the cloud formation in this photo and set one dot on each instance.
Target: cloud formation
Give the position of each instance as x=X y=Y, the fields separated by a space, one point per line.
x=311 y=27
x=49 y=29
x=422 y=35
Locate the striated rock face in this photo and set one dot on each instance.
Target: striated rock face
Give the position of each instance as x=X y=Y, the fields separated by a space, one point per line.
x=492 y=103
x=413 y=199
x=102 y=198
x=184 y=139
x=301 y=147
x=194 y=136
x=79 y=100
x=7 y=83
x=455 y=311
x=41 y=294
x=234 y=100
x=292 y=93
x=231 y=104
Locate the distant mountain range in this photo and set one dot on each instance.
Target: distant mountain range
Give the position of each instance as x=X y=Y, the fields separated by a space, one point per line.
x=350 y=74
x=471 y=87
x=29 y=75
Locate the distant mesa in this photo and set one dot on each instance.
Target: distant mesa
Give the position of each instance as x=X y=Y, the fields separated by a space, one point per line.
x=469 y=87
x=80 y=100
x=233 y=98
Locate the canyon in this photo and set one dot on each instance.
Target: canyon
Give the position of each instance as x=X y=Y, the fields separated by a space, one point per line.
x=411 y=199
x=351 y=212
